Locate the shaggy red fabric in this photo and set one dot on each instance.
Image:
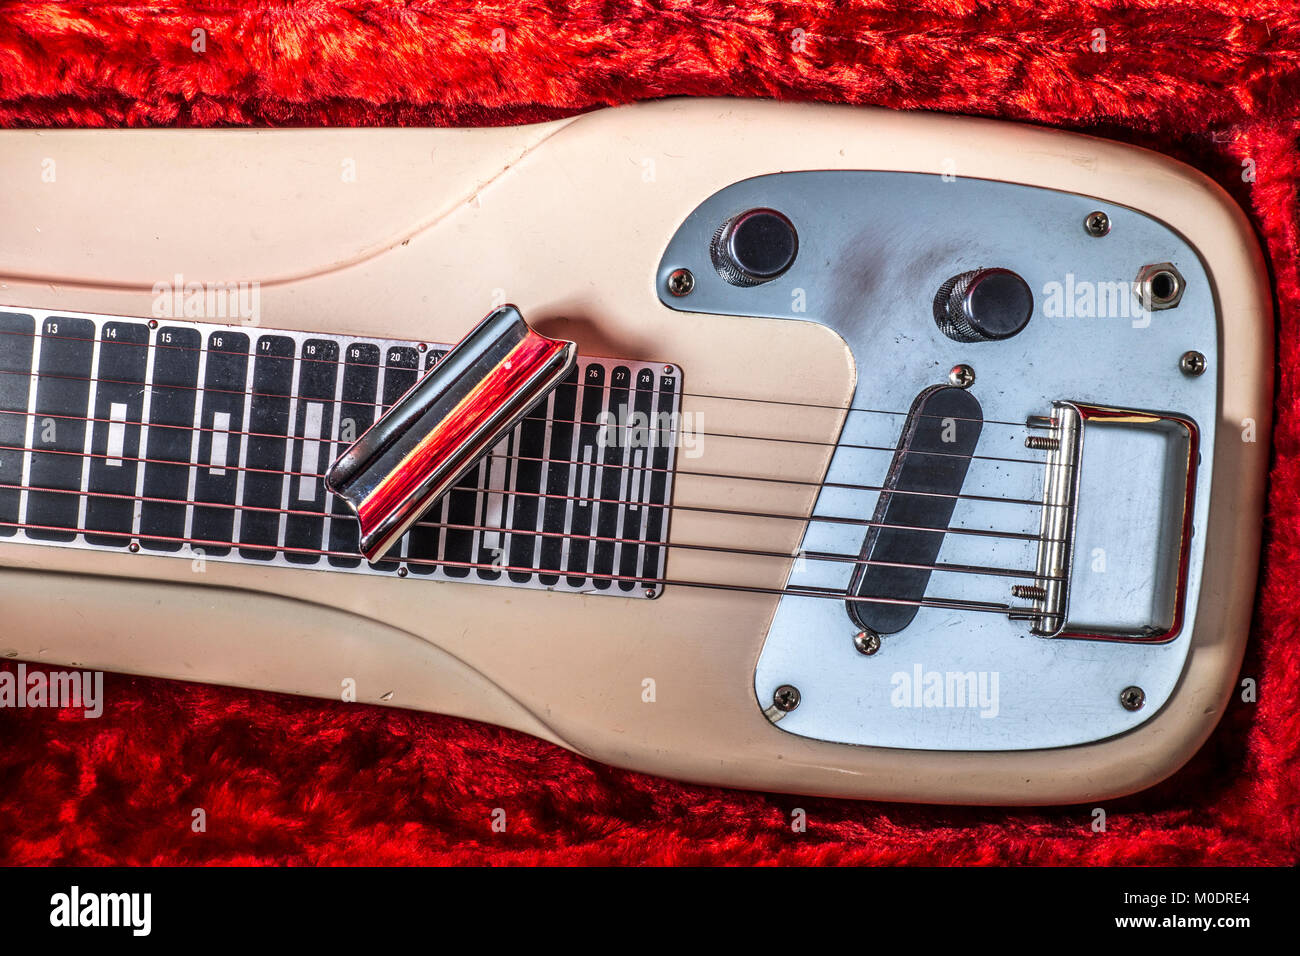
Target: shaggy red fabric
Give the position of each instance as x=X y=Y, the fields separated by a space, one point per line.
x=290 y=780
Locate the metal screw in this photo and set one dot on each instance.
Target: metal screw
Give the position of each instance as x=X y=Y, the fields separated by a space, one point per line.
x=1042 y=442
x=786 y=698
x=1193 y=363
x=1132 y=698
x=1030 y=592
x=668 y=369
x=866 y=642
x=133 y=547
x=681 y=282
x=1096 y=224
x=402 y=572
x=153 y=323
x=651 y=593
x=962 y=376
x=423 y=347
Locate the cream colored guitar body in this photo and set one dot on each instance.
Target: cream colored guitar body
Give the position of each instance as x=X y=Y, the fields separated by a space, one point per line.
x=416 y=234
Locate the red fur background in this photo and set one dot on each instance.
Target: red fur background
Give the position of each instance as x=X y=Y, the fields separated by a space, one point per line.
x=288 y=780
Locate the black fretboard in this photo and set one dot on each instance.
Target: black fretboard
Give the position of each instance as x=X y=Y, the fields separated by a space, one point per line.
x=200 y=440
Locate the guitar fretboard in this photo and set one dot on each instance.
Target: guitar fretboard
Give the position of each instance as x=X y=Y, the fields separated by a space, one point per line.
x=200 y=440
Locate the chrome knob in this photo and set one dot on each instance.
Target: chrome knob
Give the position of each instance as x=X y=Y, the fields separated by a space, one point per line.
x=754 y=247
x=983 y=305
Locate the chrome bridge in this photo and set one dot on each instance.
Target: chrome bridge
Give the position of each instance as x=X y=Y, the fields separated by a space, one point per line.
x=1116 y=534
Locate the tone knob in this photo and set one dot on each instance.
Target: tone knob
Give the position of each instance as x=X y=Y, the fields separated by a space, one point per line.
x=754 y=247
x=983 y=305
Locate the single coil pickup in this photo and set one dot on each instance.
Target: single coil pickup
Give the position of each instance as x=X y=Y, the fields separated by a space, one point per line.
x=925 y=476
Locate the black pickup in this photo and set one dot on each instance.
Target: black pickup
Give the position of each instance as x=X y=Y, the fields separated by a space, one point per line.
x=925 y=477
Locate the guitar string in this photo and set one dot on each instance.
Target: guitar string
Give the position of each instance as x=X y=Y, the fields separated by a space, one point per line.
x=553 y=421
x=774 y=516
x=639 y=542
x=856 y=409
x=828 y=594
x=252 y=355
x=680 y=471
x=856 y=561
x=533 y=533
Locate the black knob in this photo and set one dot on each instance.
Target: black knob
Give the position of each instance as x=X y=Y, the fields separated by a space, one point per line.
x=754 y=247
x=983 y=305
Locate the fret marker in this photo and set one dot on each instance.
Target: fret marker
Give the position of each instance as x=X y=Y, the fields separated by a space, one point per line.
x=584 y=479
x=634 y=496
x=116 y=433
x=494 y=512
x=311 y=425
x=220 y=441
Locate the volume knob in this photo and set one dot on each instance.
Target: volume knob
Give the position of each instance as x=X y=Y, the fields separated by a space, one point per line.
x=983 y=305
x=754 y=247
